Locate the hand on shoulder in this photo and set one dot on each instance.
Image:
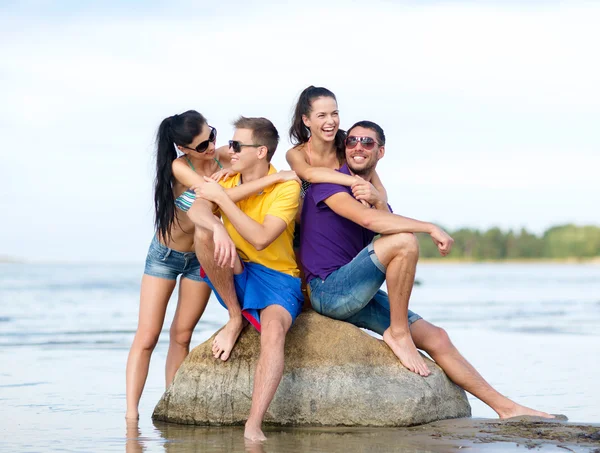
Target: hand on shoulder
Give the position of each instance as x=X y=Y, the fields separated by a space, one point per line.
x=288 y=175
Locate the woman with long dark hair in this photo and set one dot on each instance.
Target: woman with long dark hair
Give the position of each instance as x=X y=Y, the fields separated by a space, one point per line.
x=320 y=144
x=171 y=253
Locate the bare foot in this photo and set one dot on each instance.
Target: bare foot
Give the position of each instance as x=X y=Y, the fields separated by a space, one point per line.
x=404 y=348
x=253 y=433
x=517 y=410
x=225 y=340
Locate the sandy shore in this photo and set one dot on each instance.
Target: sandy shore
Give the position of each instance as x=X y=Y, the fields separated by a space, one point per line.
x=438 y=437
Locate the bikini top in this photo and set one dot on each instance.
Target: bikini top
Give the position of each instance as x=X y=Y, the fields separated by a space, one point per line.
x=192 y=165
x=187 y=198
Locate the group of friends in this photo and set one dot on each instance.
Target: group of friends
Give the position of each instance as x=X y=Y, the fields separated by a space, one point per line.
x=226 y=220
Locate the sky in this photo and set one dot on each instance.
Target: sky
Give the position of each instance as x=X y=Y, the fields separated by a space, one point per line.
x=491 y=109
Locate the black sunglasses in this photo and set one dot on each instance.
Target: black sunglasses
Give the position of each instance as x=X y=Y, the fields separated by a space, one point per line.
x=237 y=146
x=203 y=146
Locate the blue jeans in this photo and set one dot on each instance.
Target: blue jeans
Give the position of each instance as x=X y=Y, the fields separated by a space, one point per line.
x=164 y=262
x=352 y=293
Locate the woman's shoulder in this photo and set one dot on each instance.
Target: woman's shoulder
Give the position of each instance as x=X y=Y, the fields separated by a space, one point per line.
x=297 y=149
x=181 y=160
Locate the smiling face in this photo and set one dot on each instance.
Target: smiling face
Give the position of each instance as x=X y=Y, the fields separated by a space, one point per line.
x=362 y=161
x=248 y=155
x=190 y=149
x=323 y=120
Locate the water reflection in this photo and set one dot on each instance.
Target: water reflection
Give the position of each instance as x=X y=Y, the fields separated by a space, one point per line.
x=188 y=438
x=132 y=437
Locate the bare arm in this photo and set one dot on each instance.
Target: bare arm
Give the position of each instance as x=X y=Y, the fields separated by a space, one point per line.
x=366 y=192
x=383 y=222
x=260 y=235
x=201 y=214
x=296 y=160
x=185 y=175
x=189 y=178
x=248 y=189
x=375 y=220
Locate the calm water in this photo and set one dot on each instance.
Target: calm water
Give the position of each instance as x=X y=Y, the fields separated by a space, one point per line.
x=532 y=330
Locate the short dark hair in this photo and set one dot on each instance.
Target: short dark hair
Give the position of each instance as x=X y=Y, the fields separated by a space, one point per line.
x=374 y=127
x=263 y=133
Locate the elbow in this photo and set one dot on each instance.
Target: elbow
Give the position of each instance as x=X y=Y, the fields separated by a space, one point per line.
x=260 y=245
x=366 y=221
x=309 y=177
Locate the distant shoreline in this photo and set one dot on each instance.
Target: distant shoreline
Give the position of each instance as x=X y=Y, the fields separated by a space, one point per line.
x=11 y=260
x=571 y=260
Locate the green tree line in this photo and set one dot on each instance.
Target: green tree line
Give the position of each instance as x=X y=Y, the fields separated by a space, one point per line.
x=559 y=242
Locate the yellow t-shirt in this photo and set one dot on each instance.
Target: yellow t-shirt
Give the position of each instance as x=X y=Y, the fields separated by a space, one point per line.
x=280 y=200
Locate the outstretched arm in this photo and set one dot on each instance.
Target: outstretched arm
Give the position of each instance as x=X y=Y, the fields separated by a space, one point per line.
x=189 y=178
x=248 y=189
x=296 y=160
x=383 y=222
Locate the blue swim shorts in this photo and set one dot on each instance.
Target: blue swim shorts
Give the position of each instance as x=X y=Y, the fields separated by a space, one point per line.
x=352 y=293
x=258 y=286
x=167 y=263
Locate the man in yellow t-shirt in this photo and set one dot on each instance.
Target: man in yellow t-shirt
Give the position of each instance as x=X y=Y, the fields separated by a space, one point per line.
x=249 y=258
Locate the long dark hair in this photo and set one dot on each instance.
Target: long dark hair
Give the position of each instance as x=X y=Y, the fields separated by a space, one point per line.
x=299 y=133
x=174 y=130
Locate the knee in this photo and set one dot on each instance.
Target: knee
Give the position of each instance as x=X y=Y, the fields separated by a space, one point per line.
x=146 y=341
x=180 y=337
x=439 y=342
x=202 y=235
x=272 y=333
x=406 y=244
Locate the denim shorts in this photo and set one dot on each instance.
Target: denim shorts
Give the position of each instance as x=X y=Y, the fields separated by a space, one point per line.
x=167 y=263
x=352 y=293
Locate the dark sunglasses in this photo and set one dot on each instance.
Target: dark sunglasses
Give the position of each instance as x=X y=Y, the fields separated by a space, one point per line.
x=237 y=146
x=203 y=146
x=367 y=143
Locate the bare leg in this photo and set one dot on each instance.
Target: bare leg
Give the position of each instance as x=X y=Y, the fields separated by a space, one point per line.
x=275 y=322
x=154 y=297
x=222 y=280
x=193 y=297
x=437 y=344
x=399 y=254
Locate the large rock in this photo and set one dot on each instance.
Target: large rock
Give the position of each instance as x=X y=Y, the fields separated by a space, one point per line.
x=335 y=374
